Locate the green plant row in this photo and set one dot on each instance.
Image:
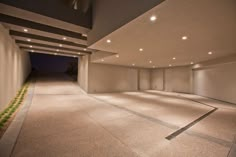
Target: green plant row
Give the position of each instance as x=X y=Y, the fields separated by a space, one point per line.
x=6 y=114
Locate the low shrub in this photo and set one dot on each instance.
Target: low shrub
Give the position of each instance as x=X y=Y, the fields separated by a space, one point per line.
x=14 y=104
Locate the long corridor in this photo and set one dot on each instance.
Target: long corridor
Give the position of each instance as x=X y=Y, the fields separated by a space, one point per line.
x=62 y=121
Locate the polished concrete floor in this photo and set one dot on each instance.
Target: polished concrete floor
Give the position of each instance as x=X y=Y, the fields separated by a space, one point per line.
x=64 y=122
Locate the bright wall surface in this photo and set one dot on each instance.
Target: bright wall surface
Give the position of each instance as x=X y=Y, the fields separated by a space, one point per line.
x=14 y=68
x=216 y=80
x=111 y=78
x=157 y=79
x=100 y=78
x=176 y=79
x=144 y=79
x=83 y=72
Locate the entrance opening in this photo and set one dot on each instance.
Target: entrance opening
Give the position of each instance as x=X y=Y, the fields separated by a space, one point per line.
x=48 y=64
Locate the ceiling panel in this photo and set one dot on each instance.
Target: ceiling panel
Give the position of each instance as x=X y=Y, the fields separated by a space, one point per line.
x=48 y=43
x=55 y=9
x=208 y=24
x=60 y=47
x=34 y=48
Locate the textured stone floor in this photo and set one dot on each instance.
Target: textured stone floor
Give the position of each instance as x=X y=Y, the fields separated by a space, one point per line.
x=64 y=122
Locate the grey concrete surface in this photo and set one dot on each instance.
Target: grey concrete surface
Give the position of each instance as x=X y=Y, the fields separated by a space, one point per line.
x=63 y=121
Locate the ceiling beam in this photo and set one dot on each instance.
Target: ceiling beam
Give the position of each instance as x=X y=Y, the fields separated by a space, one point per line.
x=49 y=51
x=58 y=54
x=50 y=46
x=38 y=37
x=39 y=26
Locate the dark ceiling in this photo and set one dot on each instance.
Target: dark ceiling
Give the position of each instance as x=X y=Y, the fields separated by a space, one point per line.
x=58 y=9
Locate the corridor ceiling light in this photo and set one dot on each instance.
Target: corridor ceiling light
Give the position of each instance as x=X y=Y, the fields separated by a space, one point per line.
x=170 y=65
x=25 y=30
x=60 y=45
x=153 y=18
x=191 y=63
x=174 y=58
x=108 y=41
x=210 y=53
x=57 y=50
x=150 y=61
x=85 y=35
x=64 y=38
x=28 y=40
x=141 y=49
x=117 y=56
x=30 y=46
x=184 y=38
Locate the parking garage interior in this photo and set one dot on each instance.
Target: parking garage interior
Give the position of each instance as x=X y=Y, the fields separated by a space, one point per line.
x=116 y=78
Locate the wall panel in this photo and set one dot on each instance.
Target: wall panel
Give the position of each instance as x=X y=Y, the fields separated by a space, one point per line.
x=14 y=68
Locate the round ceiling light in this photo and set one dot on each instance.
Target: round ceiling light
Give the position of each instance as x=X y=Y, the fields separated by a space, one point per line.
x=184 y=38
x=153 y=18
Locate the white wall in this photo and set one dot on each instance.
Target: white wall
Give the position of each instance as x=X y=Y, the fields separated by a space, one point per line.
x=176 y=79
x=111 y=78
x=216 y=80
x=157 y=79
x=100 y=78
x=14 y=68
x=144 y=79
x=83 y=72
x=109 y=15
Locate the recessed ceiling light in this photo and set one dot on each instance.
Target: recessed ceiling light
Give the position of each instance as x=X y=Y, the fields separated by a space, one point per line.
x=153 y=18
x=64 y=38
x=150 y=61
x=108 y=41
x=79 y=53
x=28 y=40
x=55 y=53
x=141 y=49
x=57 y=50
x=74 y=56
x=117 y=56
x=102 y=60
x=210 y=53
x=153 y=66
x=170 y=65
x=60 y=45
x=32 y=50
x=30 y=46
x=191 y=63
x=174 y=58
x=85 y=49
x=133 y=64
x=25 y=30
x=184 y=37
